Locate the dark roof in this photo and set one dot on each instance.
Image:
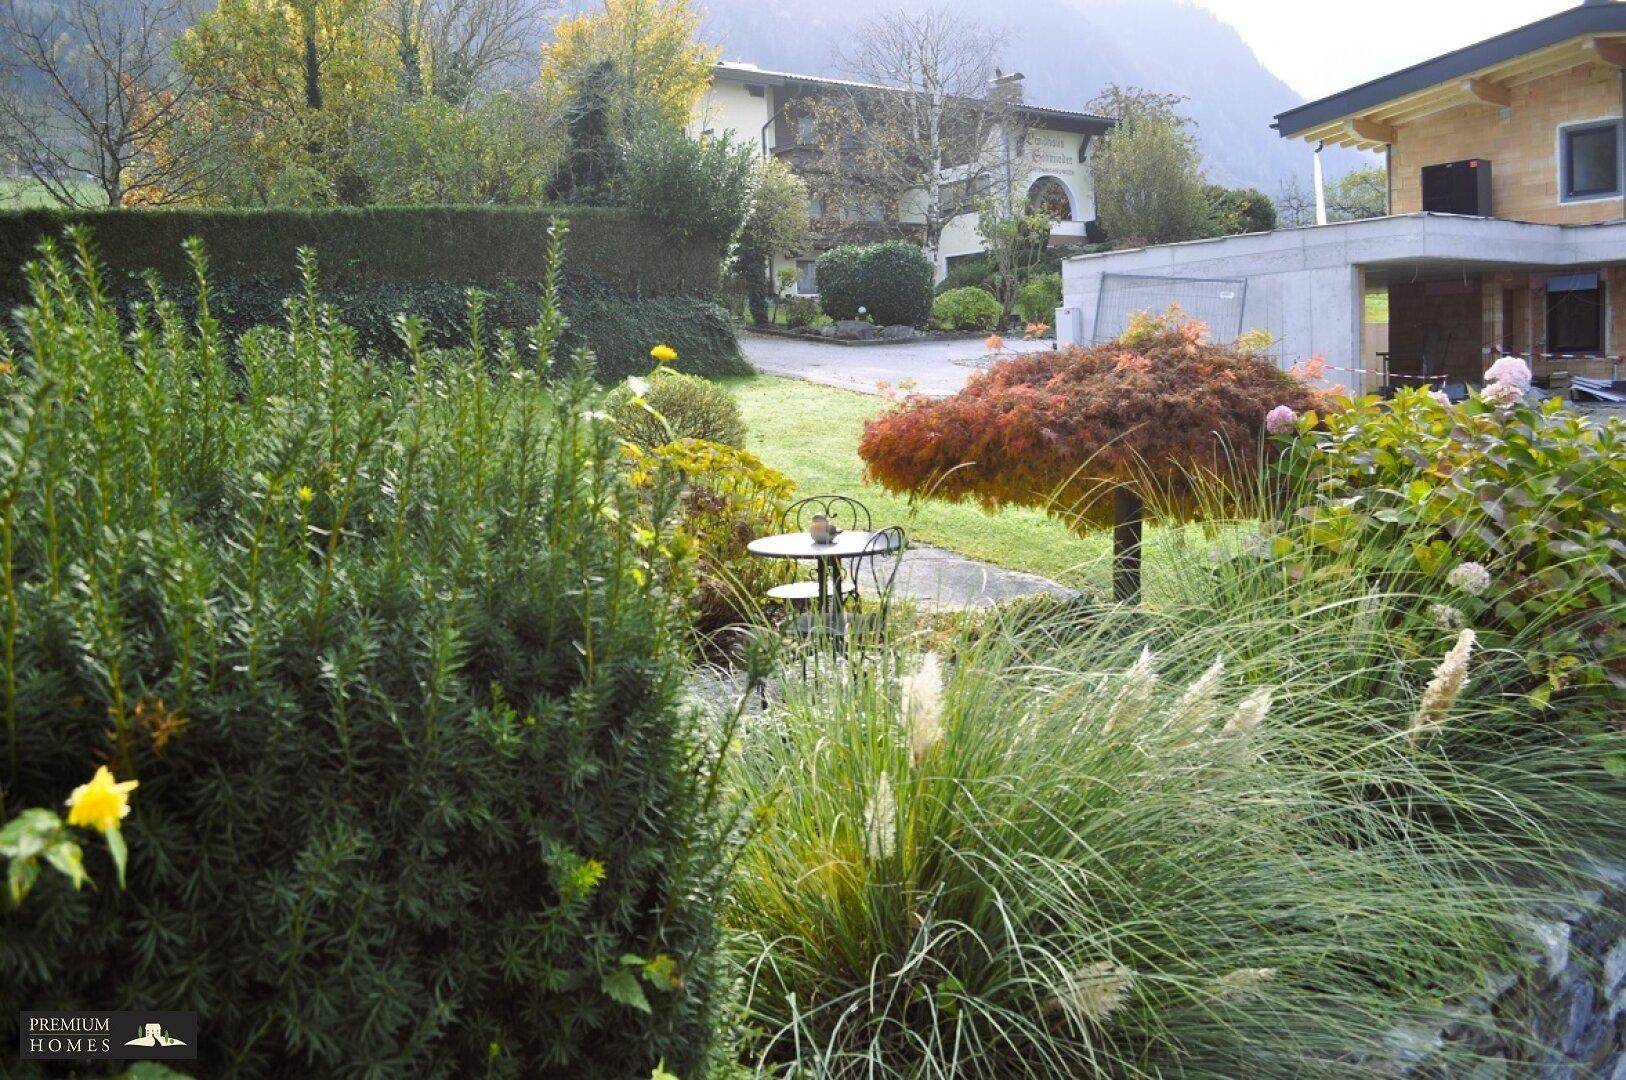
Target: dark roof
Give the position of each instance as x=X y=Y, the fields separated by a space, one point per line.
x=1061 y=119
x=1593 y=17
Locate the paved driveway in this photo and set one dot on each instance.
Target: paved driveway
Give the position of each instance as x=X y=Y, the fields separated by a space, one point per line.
x=937 y=367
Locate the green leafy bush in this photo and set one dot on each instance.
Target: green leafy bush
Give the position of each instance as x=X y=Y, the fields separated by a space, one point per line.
x=1534 y=495
x=970 y=308
x=418 y=794
x=802 y=312
x=891 y=281
x=1039 y=297
x=671 y=406
x=695 y=190
x=727 y=498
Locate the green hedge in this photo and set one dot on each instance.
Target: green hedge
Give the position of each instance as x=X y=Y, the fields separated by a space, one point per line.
x=619 y=330
x=484 y=245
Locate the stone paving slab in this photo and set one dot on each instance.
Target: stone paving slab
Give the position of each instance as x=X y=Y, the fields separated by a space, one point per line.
x=939 y=579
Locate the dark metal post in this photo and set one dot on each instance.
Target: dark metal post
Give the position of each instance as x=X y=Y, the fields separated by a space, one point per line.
x=1127 y=509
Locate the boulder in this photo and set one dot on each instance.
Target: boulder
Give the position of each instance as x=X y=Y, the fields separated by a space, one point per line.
x=855 y=330
x=898 y=332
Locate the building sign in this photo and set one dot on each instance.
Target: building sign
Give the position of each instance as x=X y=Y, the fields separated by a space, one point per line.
x=108 y=1036
x=1050 y=151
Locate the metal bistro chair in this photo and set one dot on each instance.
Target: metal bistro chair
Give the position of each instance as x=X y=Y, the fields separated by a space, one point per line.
x=875 y=575
x=848 y=513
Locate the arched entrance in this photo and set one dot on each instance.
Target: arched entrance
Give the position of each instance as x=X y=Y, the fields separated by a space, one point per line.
x=1049 y=196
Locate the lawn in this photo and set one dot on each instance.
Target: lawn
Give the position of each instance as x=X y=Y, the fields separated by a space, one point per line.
x=811 y=434
x=22 y=193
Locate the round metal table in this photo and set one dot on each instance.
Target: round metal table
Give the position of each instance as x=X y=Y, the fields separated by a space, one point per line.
x=799 y=545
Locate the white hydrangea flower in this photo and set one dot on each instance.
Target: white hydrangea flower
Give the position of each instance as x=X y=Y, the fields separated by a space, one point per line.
x=1445 y=616
x=1502 y=394
x=1471 y=577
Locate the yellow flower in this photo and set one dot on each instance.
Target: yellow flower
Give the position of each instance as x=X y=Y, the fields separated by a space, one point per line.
x=305 y=494
x=664 y=354
x=102 y=803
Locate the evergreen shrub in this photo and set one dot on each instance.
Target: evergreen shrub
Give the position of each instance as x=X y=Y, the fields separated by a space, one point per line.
x=673 y=406
x=970 y=308
x=417 y=793
x=892 y=281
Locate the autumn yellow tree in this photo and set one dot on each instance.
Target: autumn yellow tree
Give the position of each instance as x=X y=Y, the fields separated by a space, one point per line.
x=660 y=67
x=279 y=84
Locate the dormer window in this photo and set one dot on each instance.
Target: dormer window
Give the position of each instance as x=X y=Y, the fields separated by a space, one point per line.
x=1589 y=160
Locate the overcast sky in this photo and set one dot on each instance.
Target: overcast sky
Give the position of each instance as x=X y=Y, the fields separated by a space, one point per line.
x=1320 y=54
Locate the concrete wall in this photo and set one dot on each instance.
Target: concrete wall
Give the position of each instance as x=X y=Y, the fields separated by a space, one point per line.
x=1306 y=286
x=1520 y=142
x=1301 y=286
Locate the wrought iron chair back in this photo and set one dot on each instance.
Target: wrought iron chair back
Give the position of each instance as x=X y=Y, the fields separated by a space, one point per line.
x=876 y=570
x=846 y=512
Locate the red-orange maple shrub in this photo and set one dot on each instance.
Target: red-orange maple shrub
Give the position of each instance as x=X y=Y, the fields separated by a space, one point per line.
x=1069 y=430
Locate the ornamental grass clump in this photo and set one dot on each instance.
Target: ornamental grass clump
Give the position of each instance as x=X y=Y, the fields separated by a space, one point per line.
x=1095 y=436
x=1206 y=840
x=398 y=681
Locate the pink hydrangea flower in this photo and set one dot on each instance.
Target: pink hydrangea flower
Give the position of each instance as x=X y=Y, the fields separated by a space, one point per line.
x=1510 y=369
x=1281 y=420
x=1440 y=397
x=1502 y=394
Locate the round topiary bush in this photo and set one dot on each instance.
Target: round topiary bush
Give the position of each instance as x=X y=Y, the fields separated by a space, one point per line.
x=969 y=308
x=676 y=406
x=891 y=281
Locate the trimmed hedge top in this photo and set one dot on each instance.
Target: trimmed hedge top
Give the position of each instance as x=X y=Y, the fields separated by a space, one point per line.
x=479 y=245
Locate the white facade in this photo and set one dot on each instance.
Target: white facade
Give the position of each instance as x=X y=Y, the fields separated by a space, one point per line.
x=1307 y=286
x=744 y=101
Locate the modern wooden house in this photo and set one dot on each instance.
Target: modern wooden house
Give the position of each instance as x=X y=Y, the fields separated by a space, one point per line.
x=1506 y=231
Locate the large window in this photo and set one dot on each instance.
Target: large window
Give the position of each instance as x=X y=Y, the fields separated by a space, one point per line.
x=806 y=283
x=1589 y=160
x=1575 y=309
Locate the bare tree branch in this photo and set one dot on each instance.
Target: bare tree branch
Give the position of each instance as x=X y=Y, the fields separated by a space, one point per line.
x=925 y=135
x=90 y=88
x=469 y=46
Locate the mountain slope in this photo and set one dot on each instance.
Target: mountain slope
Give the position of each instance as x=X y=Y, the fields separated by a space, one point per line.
x=1069 y=50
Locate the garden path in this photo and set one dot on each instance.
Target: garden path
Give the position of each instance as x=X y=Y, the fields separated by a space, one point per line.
x=939 y=579
x=938 y=368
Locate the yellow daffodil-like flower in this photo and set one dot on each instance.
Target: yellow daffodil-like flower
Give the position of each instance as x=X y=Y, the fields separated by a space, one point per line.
x=102 y=803
x=664 y=354
x=305 y=494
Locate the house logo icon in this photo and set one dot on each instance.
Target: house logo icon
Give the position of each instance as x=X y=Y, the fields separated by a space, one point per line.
x=153 y=1034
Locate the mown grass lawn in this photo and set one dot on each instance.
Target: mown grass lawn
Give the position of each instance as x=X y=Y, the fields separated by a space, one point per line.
x=811 y=434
